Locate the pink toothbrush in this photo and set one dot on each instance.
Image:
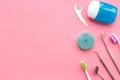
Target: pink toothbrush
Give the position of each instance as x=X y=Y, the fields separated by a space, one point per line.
x=115 y=39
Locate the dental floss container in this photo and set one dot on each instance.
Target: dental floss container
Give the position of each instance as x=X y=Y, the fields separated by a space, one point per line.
x=102 y=12
x=85 y=41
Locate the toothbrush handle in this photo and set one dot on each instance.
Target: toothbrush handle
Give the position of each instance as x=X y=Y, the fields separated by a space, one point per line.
x=88 y=76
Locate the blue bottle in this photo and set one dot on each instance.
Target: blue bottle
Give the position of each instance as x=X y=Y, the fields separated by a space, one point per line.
x=102 y=12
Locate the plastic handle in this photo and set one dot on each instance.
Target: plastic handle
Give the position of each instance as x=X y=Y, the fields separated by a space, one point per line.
x=88 y=76
x=79 y=14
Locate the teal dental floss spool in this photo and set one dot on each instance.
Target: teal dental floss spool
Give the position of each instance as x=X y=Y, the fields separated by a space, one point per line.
x=85 y=41
x=102 y=12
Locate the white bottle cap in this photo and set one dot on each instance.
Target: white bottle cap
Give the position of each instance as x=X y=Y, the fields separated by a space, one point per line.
x=93 y=9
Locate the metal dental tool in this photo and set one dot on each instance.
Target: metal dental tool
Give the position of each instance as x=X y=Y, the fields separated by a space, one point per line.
x=109 y=52
x=104 y=65
x=96 y=72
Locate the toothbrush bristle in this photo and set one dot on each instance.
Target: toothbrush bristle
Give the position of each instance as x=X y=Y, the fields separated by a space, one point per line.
x=96 y=69
x=84 y=66
x=114 y=38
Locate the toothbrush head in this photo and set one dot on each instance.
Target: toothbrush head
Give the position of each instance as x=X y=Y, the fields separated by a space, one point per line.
x=114 y=38
x=83 y=65
x=96 y=69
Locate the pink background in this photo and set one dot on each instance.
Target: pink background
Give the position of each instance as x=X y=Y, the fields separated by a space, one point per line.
x=38 y=41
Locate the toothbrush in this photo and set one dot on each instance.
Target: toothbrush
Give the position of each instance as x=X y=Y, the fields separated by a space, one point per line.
x=84 y=67
x=115 y=39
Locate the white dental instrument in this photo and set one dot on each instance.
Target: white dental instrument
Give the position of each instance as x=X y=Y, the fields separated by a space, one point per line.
x=79 y=14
